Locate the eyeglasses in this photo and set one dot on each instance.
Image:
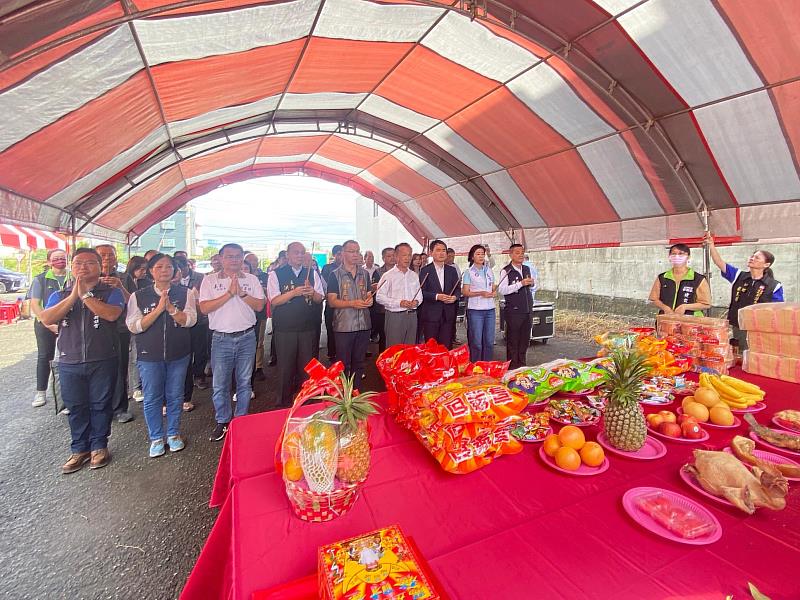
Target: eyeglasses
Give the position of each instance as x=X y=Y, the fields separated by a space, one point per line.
x=84 y=263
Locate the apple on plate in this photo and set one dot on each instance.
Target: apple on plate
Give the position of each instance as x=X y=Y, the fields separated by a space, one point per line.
x=684 y=418
x=654 y=420
x=668 y=416
x=691 y=430
x=670 y=429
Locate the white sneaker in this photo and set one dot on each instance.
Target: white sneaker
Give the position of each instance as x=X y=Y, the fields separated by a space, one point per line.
x=64 y=411
x=138 y=395
x=234 y=396
x=39 y=399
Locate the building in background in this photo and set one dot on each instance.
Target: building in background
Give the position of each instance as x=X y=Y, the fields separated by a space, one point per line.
x=178 y=232
x=377 y=229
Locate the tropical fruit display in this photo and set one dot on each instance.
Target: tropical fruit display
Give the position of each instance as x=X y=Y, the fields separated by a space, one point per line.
x=569 y=449
x=685 y=426
x=735 y=393
x=623 y=420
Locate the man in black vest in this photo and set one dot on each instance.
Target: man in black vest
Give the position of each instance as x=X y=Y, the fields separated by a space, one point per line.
x=294 y=293
x=516 y=284
x=440 y=292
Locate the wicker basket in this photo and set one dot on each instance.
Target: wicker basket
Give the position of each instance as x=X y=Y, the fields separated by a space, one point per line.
x=319 y=507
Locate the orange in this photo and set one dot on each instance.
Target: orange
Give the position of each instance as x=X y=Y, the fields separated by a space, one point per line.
x=571 y=436
x=592 y=454
x=293 y=470
x=568 y=458
x=551 y=445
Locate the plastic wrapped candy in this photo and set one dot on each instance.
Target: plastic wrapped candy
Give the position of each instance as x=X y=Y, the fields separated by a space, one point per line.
x=473 y=453
x=473 y=399
x=578 y=376
x=535 y=383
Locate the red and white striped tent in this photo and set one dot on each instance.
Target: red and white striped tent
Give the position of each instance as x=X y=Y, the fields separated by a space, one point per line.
x=27 y=238
x=562 y=123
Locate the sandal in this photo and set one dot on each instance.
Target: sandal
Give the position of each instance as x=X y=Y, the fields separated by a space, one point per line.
x=188 y=407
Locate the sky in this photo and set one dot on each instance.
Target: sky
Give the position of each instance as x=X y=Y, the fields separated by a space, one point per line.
x=273 y=211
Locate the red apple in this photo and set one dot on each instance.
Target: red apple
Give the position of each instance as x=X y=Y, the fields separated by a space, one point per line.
x=686 y=419
x=670 y=429
x=692 y=431
x=655 y=420
x=668 y=416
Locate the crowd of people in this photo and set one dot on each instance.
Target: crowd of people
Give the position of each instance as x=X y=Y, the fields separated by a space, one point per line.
x=166 y=328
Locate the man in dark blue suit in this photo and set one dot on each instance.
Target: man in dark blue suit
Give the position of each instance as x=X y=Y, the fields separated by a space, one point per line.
x=441 y=289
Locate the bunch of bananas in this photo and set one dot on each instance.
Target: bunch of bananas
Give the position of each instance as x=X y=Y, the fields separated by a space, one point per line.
x=737 y=394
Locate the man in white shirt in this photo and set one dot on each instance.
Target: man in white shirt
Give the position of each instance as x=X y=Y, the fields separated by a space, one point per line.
x=369 y=263
x=231 y=299
x=399 y=293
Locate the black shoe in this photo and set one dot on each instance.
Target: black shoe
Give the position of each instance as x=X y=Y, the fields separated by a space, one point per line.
x=200 y=383
x=260 y=375
x=272 y=362
x=220 y=431
x=368 y=354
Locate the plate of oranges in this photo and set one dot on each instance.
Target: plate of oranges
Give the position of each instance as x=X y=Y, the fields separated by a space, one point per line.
x=568 y=451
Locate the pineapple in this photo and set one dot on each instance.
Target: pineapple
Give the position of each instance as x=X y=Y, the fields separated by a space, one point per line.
x=623 y=419
x=352 y=411
x=318 y=453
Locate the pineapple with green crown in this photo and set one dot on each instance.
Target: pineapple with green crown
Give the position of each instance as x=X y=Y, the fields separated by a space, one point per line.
x=623 y=419
x=351 y=410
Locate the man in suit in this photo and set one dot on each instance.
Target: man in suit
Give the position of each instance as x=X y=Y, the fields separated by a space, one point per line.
x=440 y=292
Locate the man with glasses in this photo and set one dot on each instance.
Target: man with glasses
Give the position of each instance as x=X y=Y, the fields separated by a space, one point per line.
x=231 y=299
x=86 y=314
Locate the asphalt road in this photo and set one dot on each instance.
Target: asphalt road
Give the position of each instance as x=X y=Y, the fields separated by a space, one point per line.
x=134 y=529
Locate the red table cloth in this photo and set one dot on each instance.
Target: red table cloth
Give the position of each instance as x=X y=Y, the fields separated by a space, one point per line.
x=515 y=529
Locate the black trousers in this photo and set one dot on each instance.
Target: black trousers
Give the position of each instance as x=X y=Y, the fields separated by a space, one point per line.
x=329 y=331
x=200 y=350
x=119 y=402
x=518 y=338
x=442 y=330
x=379 y=327
x=45 y=351
x=352 y=347
x=295 y=349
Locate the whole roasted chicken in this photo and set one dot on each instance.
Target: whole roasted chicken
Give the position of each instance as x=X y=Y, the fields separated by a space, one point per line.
x=724 y=475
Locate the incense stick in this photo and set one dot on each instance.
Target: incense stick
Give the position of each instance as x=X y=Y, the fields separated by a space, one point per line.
x=420 y=286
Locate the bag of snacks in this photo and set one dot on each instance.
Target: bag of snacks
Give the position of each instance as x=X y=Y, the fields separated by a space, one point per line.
x=535 y=383
x=473 y=399
x=472 y=453
x=578 y=376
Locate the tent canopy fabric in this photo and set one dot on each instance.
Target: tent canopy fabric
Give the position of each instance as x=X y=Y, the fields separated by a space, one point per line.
x=27 y=238
x=559 y=124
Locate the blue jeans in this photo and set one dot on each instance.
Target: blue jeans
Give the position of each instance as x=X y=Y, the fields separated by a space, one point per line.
x=480 y=334
x=162 y=383
x=232 y=355
x=87 y=390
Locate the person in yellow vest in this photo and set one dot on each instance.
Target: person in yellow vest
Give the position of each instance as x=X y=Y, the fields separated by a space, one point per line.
x=680 y=290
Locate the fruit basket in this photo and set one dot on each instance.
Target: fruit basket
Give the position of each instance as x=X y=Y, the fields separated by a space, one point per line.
x=324 y=458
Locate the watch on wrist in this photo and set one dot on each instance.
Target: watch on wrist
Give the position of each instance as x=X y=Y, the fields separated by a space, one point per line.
x=88 y=294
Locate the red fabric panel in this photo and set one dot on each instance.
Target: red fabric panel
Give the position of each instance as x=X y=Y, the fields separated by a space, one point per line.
x=201 y=8
x=768 y=32
x=217 y=160
x=56 y=156
x=579 y=203
x=290 y=146
x=519 y=40
x=194 y=87
x=10 y=238
x=434 y=86
x=349 y=153
x=333 y=65
x=403 y=178
x=503 y=127
x=441 y=208
x=141 y=200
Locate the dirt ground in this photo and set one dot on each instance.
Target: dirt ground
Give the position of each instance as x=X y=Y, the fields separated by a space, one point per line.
x=134 y=529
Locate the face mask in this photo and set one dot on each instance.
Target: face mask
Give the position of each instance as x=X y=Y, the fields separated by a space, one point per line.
x=59 y=264
x=678 y=259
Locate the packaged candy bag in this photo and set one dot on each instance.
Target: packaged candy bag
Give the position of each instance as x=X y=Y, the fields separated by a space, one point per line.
x=578 y=376
x=473 y=399
x=535 y=383
x=473 y=453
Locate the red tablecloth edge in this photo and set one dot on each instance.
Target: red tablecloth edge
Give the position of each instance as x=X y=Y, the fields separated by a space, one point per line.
x=223 y=482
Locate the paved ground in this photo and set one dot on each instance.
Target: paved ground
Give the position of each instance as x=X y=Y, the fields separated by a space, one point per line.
x=132 y=530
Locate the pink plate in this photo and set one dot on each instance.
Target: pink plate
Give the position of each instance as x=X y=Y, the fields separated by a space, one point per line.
x=680 y=440
x=583 y=470
x=692 y=482
x=757 y=407
x=651 y=450
x=771 y=457
x=755 y=437
x=646 y=521
x=581 y=424
x=649 y=400
x=784 y=424
x=736 y=422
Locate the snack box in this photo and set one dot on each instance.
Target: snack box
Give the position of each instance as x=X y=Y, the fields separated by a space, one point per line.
x=771 y=317
x=778 y=344
x=770 y=365
x=380 y=564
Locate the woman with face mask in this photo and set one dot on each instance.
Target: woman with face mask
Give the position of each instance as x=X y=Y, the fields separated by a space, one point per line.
x=680 y=290
x=755 y=285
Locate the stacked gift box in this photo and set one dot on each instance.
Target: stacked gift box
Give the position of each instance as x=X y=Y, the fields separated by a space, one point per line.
x=773 y=337
x=704 y=341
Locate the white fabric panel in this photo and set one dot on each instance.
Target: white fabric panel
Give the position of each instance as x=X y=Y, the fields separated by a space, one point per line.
x=424 y=168
x=225 y=32
x=202 y=144
x=461 y=149
x=646 y=231
x=614 y=7
x=693 y=47
x=472 y=210
x=546 y=93
x=380 y=107
x=366 y=142
x=384 y=187
x=247 y=132
x=746 y=139
x=155 y=206
x=620 y=177
x=67 y=85
x=358 y=20
x=221 y=116
x=470 y=44
x=515 y=201
x=219 y=172
x=321 y=100
x=86 y=184
x=416 y=213
x=153 y=166
x=260 y=160
x=334 y=164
